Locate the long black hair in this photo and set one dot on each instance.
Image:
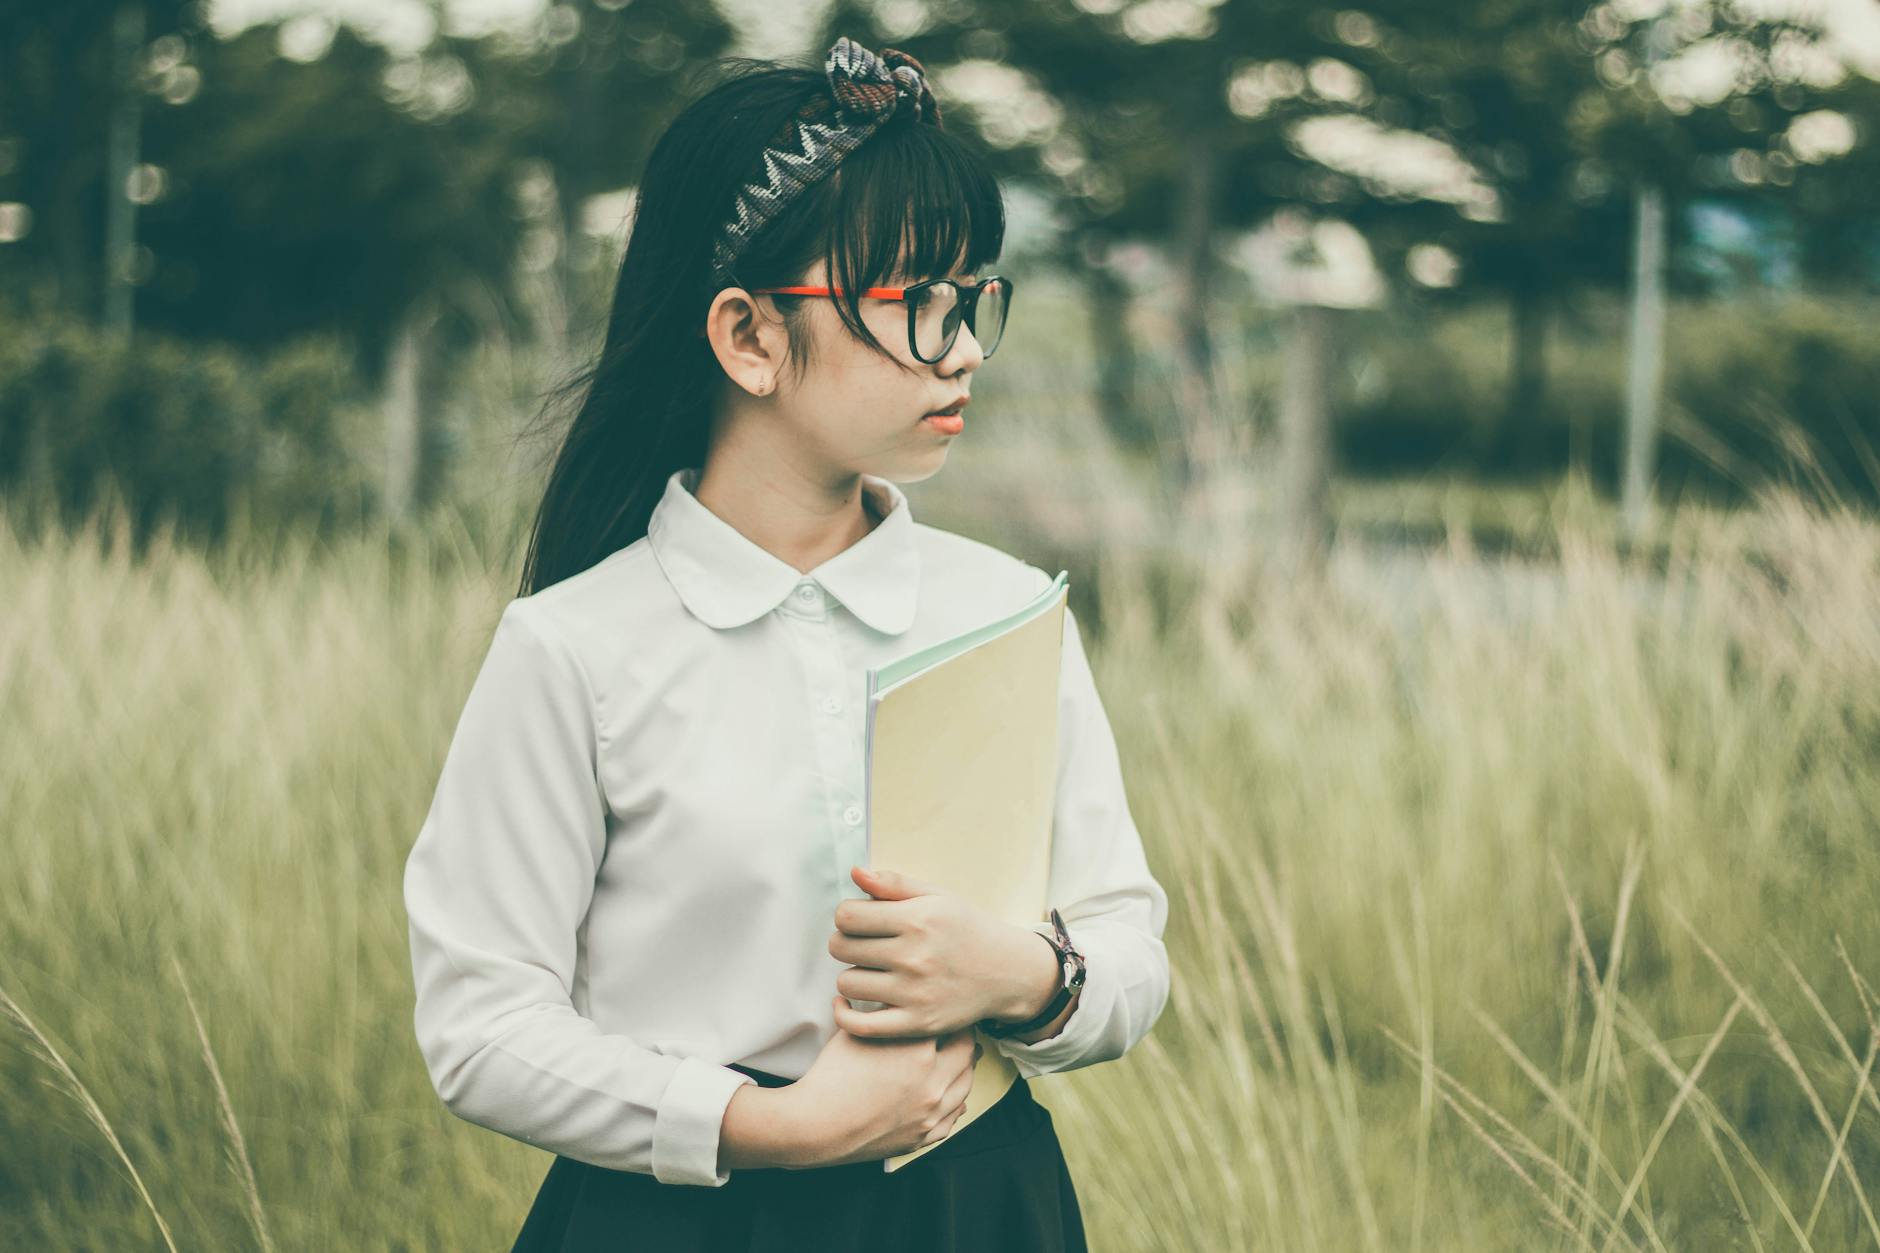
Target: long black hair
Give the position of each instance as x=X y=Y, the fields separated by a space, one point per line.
x=646 y=402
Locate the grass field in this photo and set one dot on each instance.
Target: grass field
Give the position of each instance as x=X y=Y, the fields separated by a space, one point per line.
x=1499 y=919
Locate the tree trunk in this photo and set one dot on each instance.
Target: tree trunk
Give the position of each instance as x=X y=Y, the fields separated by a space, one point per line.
x=1646 y=359
x=120 y=235
x=1200 y=418
x=403 y=409
x=1110 y=302
x=67 y=223
x=1305 y=440
x=566 y=270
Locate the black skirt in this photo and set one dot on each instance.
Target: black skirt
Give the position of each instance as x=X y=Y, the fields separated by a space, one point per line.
x=1000 y=1183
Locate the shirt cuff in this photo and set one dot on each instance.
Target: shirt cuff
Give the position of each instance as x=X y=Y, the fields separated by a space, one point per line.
x=689 y=1121
x=1095 y=1003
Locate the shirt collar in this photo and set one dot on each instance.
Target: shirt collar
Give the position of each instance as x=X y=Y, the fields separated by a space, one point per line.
x=727 y=580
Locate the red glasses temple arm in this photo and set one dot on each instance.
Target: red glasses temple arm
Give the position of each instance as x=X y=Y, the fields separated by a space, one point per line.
x=878 y=293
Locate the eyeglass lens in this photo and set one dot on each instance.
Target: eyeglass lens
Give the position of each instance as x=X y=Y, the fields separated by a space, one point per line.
x=937 y=318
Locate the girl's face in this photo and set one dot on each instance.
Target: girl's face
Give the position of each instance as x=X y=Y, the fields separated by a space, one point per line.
x=851 y=409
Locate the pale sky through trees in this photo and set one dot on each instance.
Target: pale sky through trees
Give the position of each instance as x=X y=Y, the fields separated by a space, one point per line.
x=1700 y=71
x=768 y=29
x=775 y=29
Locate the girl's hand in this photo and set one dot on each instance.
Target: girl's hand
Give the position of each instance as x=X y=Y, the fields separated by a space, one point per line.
x=935 y=960
x=863 y=1100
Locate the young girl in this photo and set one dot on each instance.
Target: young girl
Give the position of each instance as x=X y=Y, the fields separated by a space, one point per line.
x=638 y=903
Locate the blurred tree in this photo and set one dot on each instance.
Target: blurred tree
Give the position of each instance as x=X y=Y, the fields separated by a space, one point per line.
x=332 y=186
x=1831 y=191
x=1552 y=106
x=299 y=179
x=327 y=192
x=588 y=89
x=58 y=86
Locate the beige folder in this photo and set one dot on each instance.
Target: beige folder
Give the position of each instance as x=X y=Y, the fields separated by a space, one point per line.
x=961 y=781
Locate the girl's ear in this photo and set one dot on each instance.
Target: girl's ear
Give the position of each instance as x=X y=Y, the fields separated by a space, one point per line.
x=748 y=340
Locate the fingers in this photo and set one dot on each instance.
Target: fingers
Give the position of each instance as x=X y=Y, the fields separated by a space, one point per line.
x=954 y=1101
x=887 y=1024
x=958 y=1090
x=956 y=1104
x=945 y=1129
x=866 y=918
x=865 y=983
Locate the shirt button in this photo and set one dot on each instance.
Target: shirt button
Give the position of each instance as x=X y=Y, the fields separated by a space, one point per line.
x=806 y=592
x=831 y=705
x=852 y=815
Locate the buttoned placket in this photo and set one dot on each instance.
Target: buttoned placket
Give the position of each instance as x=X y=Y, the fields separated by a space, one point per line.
x=810 y=616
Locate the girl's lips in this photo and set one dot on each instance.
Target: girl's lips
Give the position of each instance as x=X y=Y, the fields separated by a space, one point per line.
x=946 y=423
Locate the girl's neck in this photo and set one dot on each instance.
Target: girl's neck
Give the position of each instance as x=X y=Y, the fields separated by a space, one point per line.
x=801 y=533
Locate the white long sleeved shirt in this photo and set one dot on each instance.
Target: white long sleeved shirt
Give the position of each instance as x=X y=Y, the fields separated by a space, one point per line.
x=628 y=874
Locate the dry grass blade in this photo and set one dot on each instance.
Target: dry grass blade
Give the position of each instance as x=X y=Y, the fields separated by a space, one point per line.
x=1342 y=1101
x=1562 y=1177
x=1633 y=1025
x=1602 y=1050
x=1863 y=1087
x=1869 y=1003
x=1862 y=1066
x=225 y=1110
x=1558 y=1102
x=1554 y=1213
x=1607 y=999
x=1847 y=1125
x=82 y=1095
x=1581 y=947
x=1685 y=1088
x=1784 y=1051
x=1413 y=986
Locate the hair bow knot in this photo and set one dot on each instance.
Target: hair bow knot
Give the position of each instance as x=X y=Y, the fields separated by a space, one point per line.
x=866 y=92
x=874 y=87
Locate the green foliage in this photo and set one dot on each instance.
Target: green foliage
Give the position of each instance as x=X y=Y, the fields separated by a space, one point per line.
x=1785 y=388
x=184 y=433
x=1785 y=382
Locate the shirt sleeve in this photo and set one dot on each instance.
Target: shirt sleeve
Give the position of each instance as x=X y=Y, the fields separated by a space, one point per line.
x=496 y=888
x=1113 y=909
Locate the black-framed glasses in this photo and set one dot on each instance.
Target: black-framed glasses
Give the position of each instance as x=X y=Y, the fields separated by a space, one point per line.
x=936 y=309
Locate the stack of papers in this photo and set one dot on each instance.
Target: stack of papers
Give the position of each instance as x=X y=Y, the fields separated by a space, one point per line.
x=961 y=771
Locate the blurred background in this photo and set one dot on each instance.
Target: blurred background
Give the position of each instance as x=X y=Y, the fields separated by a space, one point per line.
x=321 y=256
x=1461 y=421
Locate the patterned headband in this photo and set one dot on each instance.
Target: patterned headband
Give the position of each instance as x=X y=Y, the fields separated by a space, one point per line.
x=865 y=92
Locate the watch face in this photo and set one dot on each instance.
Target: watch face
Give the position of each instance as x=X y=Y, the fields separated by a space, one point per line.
x=1072 y=959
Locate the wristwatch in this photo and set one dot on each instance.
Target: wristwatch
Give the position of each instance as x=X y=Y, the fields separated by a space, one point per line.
x=1071 y=978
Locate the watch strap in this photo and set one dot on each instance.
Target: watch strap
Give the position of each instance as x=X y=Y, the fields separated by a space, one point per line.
x=1070 y=979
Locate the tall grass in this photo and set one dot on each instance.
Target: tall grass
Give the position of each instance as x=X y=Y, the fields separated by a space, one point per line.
x=1516 y=903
